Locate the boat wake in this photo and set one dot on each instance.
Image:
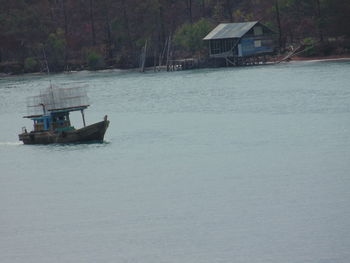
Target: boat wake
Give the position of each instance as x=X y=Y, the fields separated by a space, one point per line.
x=11 y=143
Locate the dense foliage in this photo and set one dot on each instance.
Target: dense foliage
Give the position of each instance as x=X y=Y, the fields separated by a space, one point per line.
x=73 y=34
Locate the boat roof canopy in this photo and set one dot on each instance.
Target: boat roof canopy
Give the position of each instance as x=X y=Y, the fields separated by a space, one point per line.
x=68 y=109
x=59 y=110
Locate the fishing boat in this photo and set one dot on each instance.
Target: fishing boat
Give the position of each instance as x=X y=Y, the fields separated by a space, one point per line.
x=50 y=113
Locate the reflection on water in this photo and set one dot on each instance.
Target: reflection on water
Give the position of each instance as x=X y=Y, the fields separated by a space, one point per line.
x=72 y=146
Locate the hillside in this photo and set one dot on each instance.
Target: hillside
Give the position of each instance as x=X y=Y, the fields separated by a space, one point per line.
x=79 y=34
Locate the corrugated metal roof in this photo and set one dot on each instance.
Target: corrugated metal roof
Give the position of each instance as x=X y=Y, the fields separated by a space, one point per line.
x=230 y=30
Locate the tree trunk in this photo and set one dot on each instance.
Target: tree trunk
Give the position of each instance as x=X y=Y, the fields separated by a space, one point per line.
x=92 y=22
x=203 y=9
x=109 y=37
x=278 y=24
x=65 y=18
x=189 y=9
x=229 y=9
x=126 y=23
x=319 y=18
x=160 y=27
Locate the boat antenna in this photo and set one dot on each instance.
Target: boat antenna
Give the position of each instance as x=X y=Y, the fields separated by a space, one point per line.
x=52 y=95
x=48 y=73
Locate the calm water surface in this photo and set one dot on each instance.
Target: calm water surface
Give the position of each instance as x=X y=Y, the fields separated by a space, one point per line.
x=247 y=165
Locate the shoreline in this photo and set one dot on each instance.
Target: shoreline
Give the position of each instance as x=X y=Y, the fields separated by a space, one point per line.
x=322 y=58
x=293 y=59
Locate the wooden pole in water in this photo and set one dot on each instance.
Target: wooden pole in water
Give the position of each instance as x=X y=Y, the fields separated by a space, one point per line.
x=163 y=53
x=168 y=54
x=82 y=115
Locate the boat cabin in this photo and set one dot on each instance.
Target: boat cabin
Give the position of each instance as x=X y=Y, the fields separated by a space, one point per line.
x=52 y=122
x=50 y=110
x=55 y=120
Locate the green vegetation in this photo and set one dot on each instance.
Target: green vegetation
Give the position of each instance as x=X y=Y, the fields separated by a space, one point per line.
x=190 y=36
x=94 y=60
x=55 y=50
x=96 y=33
x=30 y=64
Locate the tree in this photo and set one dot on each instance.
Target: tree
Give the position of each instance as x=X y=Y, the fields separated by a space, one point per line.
x=191 y=37
x=55 y=50
x=115 y=29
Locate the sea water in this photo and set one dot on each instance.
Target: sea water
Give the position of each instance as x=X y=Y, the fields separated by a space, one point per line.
x=246 y=165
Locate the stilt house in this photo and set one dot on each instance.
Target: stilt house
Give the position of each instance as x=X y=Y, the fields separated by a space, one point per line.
x=239 y=40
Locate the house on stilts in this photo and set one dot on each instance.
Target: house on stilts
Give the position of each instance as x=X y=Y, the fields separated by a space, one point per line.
x=238 y=44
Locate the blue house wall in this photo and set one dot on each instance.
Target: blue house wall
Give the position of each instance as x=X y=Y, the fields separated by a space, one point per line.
x=250 y=46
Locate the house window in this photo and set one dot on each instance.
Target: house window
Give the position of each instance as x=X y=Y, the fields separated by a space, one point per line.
x=257 y=43
x=258 y=31
x=216 y=47
x=219 y=46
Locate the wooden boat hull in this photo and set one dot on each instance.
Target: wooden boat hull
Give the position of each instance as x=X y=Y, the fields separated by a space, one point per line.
x=94 y=132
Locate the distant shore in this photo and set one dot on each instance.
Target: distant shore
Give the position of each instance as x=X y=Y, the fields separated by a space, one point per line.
x=293 y=59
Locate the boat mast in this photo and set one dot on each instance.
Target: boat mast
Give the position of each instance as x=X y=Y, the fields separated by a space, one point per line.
x=44 y=109
x=83 y=116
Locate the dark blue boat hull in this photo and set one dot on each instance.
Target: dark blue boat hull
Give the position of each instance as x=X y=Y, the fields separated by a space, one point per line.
x=91 y=133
